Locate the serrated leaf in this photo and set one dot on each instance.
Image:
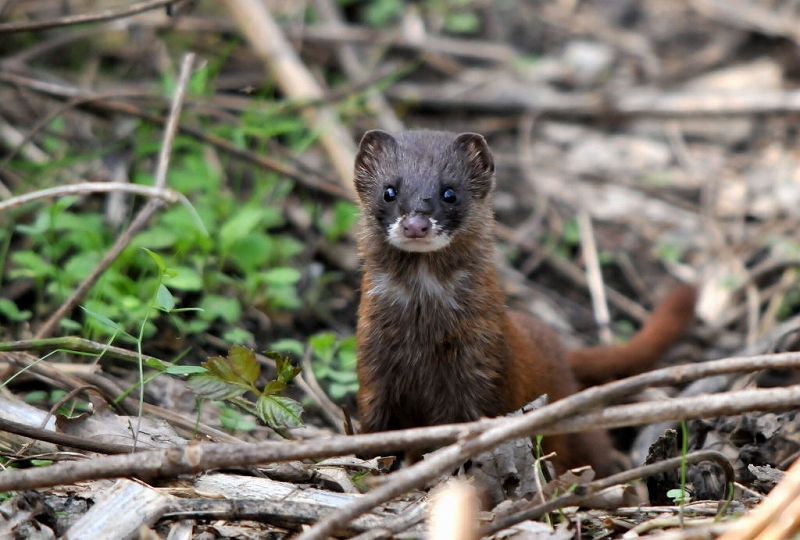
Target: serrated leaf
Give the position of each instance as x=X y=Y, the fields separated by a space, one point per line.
x=164 y=299
x=211 y=387
x=240 y=367
x=244 y=363
x=279 y=411
x=274 y=387
x=220 y=368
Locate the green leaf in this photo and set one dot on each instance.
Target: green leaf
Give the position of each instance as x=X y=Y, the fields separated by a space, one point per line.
x=287 y=345
x=283 y=363
x=462 y=22
x=238 y=335
x=279 y=411
x=10 y=310
x=155 y=363
x=216 y=306
x=185 y=370
x=678 y=495
x=184 y=278
x=338 y=391
x=281 y=276
x=240 y=367
x=239 y=225
x=252 y=252
x=213 y=388
x=234 y=420
x=158 y=260
x=164 y=299
x=244 y=362
x=102 y=319
x=274 y=387
x=323 y=345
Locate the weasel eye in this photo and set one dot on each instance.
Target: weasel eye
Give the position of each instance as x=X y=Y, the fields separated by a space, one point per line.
x=449 y=195
x=389 y=194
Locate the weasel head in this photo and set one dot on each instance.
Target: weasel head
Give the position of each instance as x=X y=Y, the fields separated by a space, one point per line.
x=424 y=189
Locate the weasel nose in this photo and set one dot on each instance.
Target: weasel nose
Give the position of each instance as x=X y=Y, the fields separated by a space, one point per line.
x=416 y=226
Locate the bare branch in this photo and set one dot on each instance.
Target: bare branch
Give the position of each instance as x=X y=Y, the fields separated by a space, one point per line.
x=98 y=16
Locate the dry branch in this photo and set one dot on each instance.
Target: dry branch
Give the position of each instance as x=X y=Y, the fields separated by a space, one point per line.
x=585 y=491
x=499 y=94
x=110 y=103
x=297 y=83
x=99 y=16
x=474 y=437
x=757 y=523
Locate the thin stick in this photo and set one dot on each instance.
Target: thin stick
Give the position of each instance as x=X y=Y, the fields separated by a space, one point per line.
x=787 y=490
x=105 y=103
x=140 y=221
x=98 y=16
x=585 y=491
x=475 y=436
x=270 y=44
x=447 y=458
x=594 y=277
x=167 y=195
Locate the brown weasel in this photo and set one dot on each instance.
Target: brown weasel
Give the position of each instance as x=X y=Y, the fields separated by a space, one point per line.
x=435 y=343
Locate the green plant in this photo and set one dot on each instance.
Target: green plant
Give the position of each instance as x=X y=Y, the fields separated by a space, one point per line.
x=231 y=376
x=681 y=496
x=334 y=363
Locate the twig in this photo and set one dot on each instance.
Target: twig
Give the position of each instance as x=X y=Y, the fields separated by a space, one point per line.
x=163 y=194
x=70 y=344
x=104 y=15
x=512 y=97
x=475 y=436
x=329 y=409
x=585 y=491
x=352 y=66
x=141 y=219
x=445 y=459
x=771 y=508
x=62 y=439
x=751 y=16
x=594 y=277
x=294 y=79
x=60 y=379
x=106 y=103
x=682 y=408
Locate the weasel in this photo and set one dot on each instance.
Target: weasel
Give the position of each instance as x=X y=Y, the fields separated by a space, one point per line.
x=435 y=342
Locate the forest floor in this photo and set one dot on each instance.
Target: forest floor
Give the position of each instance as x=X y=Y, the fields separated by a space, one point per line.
x=176 y=194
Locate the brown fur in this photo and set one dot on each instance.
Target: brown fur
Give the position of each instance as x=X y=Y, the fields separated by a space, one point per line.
x=435 y=342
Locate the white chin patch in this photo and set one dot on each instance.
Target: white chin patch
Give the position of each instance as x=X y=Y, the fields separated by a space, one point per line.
x=433 y=242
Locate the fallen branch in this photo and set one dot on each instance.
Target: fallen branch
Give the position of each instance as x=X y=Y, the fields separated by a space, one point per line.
x=584 y=491
x=98 y=16
x=474 y=437
x=105 y=103
x=294 y=79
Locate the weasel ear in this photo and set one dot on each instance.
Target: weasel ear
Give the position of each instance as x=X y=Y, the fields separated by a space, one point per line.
x=479 y=160
x=371 y=150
